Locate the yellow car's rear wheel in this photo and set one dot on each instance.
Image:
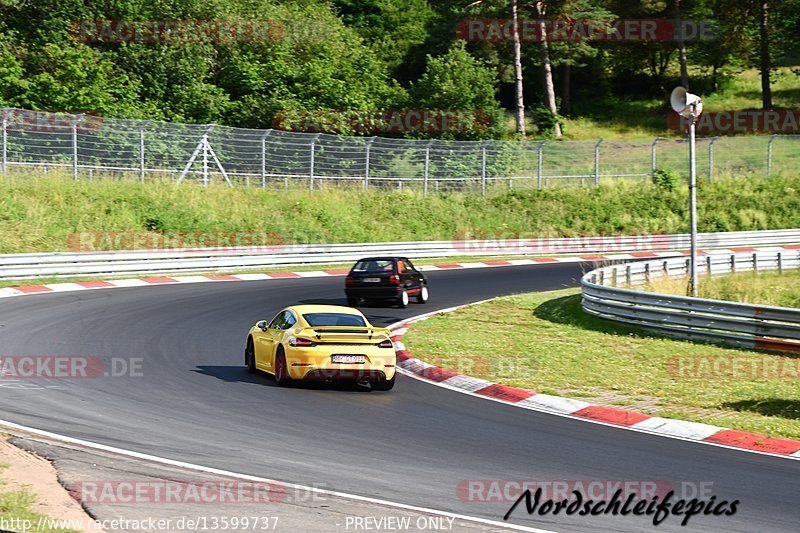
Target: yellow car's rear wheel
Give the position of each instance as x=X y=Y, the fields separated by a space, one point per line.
x=281 y=371
x=250 y=356
x=384 y=385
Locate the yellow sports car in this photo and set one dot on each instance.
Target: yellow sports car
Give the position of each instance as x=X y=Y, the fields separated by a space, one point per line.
x=322 y=342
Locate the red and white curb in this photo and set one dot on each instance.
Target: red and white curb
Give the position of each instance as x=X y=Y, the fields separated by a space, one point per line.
x=572 y=408
x=210 y=278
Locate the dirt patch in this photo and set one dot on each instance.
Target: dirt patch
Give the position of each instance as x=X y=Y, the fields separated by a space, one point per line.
x=30 y=472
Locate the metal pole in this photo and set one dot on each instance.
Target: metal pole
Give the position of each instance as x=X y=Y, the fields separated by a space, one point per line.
x=366 y=162
x=769 y=155
x=75 y=148
x=539 y=166
x=141 y=154
x=653 y=157
x=264 y=159
x=425 y=170
x=693 y=206
x=711 y=158
x=483 y=168
x=597 y=163
x=4 y=142
x=311 y=165
x=205 y=160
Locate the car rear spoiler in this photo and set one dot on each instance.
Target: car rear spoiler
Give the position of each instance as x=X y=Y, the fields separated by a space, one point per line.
x=345 y=330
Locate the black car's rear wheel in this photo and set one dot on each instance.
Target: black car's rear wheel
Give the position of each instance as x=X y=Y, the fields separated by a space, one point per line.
x=422 y=295
x=402 y=300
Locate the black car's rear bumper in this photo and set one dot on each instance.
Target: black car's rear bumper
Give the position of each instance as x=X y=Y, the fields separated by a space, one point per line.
x=374 y=292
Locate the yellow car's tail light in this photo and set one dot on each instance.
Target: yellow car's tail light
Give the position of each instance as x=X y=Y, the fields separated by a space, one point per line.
x=301 y=343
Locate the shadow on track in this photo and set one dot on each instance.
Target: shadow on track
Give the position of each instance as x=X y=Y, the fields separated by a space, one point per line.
x=240 y=374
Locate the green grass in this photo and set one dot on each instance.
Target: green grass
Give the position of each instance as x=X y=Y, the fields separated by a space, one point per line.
x=44 y=213
x=544 y=342
x=765 y=288
x=629 y=118
x=19 y=504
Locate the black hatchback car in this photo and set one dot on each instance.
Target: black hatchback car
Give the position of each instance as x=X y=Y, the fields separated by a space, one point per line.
x=385 y=278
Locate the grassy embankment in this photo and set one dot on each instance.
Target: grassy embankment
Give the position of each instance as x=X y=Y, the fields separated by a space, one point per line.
x=545 y=342
x=44 y=213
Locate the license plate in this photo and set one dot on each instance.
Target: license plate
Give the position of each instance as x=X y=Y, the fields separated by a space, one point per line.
x=348 y=359
x=372 y=280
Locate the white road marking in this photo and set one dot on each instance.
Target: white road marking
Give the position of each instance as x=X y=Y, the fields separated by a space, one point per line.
x=190 y=466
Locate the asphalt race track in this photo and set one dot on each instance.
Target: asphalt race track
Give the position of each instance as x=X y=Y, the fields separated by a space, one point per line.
x=195 y=402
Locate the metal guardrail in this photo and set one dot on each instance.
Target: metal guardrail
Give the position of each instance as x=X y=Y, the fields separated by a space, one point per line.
x=611 y=293
x=87 y=146
x=61 y=264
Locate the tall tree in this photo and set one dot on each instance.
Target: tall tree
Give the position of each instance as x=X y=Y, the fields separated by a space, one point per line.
x=547 y=69
x=519 y=98
x=765 y=64
x=681 y=45
x=518 y=92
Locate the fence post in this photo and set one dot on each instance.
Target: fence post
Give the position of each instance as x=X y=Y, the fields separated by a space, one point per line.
x=628 y=276
x=311 y=163
x=780 y=263
x=653 y=157
x=75 y=147
x=366 y=167
x=733 y=263
x=4 y=141
x=264 y=158
x=708 y=265
x=755 y=262
x=205 y=159
x=711 y=158
x=141 y=152
x=425 y=170
x=647 y=273
x=769 y=154
x=483 y=168
x=597 y=163
x=539 y=165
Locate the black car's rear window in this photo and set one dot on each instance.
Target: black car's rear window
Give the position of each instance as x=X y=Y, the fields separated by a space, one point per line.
x=334 y=319
x=374 y=266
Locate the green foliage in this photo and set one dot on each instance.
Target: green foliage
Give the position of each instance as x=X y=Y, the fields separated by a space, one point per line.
x=458 y=81
x=545 y=120
x=370 y=55
x=666 y=179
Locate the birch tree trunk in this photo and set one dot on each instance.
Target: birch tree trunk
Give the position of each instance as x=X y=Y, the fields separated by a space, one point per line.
x=766 y=90
x=520 y=99
x=681 y=46
x=547 y=69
